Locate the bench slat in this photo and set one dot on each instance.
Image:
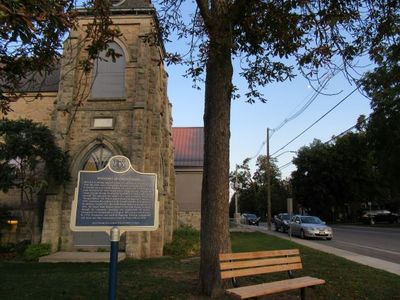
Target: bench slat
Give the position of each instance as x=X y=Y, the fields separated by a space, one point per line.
x=259 y=262
x=261 y=270
x=274 y=287
x=258 y=254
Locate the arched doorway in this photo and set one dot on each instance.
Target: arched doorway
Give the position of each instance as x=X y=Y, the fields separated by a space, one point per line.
x=97 y=158
x=94 y=160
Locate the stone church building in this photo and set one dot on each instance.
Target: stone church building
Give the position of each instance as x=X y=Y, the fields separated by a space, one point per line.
x=121 y=108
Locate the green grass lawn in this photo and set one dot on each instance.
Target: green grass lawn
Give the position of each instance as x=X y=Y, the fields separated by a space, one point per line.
x=344 y=279
x=176 y=278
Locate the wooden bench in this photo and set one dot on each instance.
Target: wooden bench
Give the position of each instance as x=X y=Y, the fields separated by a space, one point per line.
x=234 y=265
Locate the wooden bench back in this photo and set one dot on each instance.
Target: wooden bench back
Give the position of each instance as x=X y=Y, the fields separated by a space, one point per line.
x=260 y=262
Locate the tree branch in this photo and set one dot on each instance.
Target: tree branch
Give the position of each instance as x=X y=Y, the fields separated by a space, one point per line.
x=205 y=13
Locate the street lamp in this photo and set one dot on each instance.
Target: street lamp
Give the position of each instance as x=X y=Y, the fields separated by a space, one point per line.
x=236 y=187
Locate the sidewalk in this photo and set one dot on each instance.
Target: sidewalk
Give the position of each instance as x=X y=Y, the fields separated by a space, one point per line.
x=361 y=259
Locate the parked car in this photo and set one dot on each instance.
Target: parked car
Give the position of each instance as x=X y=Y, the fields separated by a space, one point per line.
x=282 y=221
x=249 y=219
x=376 y=216
x=310 y=227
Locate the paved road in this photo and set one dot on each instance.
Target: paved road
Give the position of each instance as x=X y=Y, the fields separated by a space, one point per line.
x=378 y=242
x=370 y=246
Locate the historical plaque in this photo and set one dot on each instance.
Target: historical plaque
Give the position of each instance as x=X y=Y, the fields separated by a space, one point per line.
x=116 y=196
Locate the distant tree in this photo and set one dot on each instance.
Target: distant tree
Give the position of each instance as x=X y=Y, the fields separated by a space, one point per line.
x=355 y=165
x=242 y=175
x=314 y=181
x=279 y=191
x=382 y=85
x=335 y=178
x=241 y=182
x=253 y=191
x=29 y=161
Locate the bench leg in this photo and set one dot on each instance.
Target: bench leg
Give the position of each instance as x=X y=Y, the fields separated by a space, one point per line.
x=303 y=293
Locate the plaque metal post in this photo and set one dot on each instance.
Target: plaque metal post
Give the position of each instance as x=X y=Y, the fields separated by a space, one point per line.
x=112 y=280
x=117 y=180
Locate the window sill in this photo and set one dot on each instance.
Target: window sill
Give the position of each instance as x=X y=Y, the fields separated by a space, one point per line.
x=106 y=99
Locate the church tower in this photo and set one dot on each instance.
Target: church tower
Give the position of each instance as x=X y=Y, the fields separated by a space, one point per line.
x=120 y=108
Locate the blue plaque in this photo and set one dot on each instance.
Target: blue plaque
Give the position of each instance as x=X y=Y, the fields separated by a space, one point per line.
x=116 y=196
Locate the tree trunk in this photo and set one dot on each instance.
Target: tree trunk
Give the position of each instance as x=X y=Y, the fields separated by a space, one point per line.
x=215 y=190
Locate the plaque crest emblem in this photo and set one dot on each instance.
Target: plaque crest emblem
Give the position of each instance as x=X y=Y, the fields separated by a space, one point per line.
x=119 y=164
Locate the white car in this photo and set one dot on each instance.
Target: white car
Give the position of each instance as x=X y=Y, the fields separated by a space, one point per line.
x=310 y=227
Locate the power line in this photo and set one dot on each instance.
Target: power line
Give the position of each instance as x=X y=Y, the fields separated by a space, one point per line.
x=285 y=165
x=264 y=142
x=344 y=132
x=299 y=112
x=258 y=152
x=332 y=139
x=316 y=93
x=309 y=127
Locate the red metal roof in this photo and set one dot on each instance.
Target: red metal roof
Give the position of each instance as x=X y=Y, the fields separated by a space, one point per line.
x=188 y=144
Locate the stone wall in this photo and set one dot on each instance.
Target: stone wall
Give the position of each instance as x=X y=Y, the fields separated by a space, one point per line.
x=189 y=218
x=141 y=131
x=37 y=107
x=51 y=231
x=33 y=106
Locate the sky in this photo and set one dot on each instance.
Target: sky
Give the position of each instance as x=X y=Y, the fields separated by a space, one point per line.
x=249 y=122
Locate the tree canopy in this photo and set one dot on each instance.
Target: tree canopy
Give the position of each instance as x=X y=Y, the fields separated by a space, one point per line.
x=24 y=147
x=382 y=85
x=335 y=178
x=253 y=188
x=30 y=161
x=32 y=34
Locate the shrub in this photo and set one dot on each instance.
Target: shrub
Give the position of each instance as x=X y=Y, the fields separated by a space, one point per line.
x=13 y=251
x=185 y=242
x=7 y=248
x=33 y=252
x=21 y=246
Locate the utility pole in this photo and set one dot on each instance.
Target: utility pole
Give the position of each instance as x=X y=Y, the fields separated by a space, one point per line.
x=268 y=184
x=237 y=215
x=237 y=186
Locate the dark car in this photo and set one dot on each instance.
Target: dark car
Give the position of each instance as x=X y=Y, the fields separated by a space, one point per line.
x=282 y=221
x=249 y=219
x=378 y=216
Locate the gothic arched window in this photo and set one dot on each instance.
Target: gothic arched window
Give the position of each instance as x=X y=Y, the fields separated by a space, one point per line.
x=109 y=75
x=98 y=158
